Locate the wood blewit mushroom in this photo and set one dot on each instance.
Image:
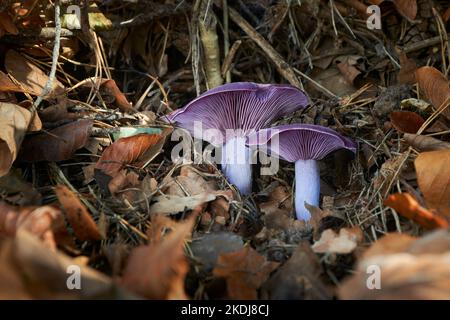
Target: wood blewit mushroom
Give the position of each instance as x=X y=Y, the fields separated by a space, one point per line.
x=243 y=108
x=303 y=144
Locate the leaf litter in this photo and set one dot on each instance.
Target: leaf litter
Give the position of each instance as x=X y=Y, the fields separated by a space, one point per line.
x=87 y=177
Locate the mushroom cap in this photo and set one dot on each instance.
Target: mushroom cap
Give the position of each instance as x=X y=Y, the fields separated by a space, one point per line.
x=301 y=141
x=243 y=106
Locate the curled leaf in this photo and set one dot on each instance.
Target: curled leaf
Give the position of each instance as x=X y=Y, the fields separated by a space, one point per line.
x=433 y=176
x=78 y=216
x=408 y=207
x=245 y=271
x=158 y=270
x=58 y=144
x=425 y=143
x=406 y=121
x=434 y=86
x=14 y=122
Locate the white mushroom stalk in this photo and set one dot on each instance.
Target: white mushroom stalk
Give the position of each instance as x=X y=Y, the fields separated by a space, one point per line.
x=307 y=187
x=236 y=164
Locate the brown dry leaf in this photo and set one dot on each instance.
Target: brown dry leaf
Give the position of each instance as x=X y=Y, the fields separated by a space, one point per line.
x=14 y=122
x=409 y=268
x=346 y=65
x=125 y=151
x=175 y=204
x=407 y=8
x=28 y=270
x=407 y=206
x=43 y=221
x=121 y=101
x=434 y=86
x=7 y=85
x=189 y=182
x=58 y=144
x=245 y=271
x=7 y=24
x=406 y=74
x=425 y=143
x=300 y=278
x=343 y=243
x=30 y=77
x=406 y=121
x=389 y=171
x=389 y=244
x=158 y=270
x=433 y=176
x=83 y=225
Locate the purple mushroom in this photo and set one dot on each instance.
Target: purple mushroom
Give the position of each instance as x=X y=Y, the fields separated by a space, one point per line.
x=303 y=144
x=240 y=108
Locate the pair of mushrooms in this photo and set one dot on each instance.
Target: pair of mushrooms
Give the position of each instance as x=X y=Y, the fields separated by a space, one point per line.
x=249 y=109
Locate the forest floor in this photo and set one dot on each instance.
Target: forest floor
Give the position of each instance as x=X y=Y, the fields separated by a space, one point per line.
x=88 y=182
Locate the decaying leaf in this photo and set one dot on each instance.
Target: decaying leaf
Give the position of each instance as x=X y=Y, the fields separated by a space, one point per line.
x=401 y=267
x=433 y=176
x=42 y=222
x=31 y=78
x=78 y=216
x=406 y=121
x=434 y=86
x=126 y=151
x=58 y=144
x=425 y=143
x=408 y=207
x=343 y=243
x=28 y=270
x=175 y=204
x=245 y=271
x=157 y=270
x=14 y=122
x=300 y=278
x=407 y=71
x=121 y=101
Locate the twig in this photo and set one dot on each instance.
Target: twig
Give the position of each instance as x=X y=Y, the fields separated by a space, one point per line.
x=281 y=65
x=55 y=56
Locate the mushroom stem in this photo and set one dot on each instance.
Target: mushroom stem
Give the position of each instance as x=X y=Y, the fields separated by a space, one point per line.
x=236 y=164
x=307 y=187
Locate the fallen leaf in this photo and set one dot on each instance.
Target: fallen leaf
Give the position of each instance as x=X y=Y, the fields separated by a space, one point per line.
x=30 y=77
x=409 y=268
x=14 y=122
x=110 y=87
x=244 y=271
x=207 y=247
x=175 y=204
x=434 y=86
x=7 y=24
x=83 y=225
x=7 y=85
x=30 y=271
x=17 y=191
x=406 y=121
x=300 y=278
x=124 y=132
x=125 y=151
x=406 y=74
x=43 y=221
x=433 y=176
x=425 y=143
x=407 y=8
x=58 y=144
x=158 y=270
x=408 y=207
x=343 y=243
